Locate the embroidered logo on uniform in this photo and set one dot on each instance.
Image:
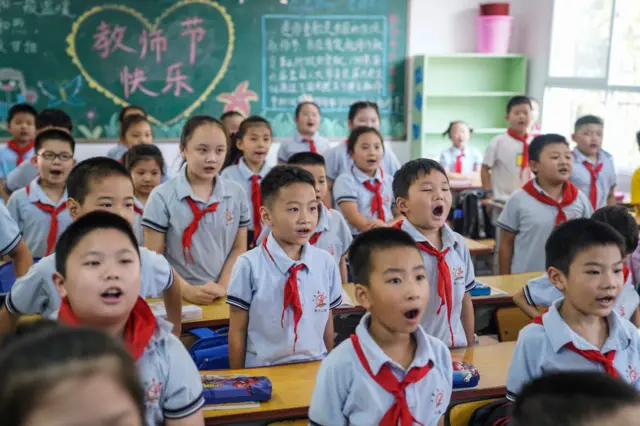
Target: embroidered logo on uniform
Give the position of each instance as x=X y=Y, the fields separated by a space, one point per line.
x=332 y=250
x=458 y=273
x=621 y=310
x=437 y=397
x=633 y=374
x=153 y=391
x=320 y=299
x=228 y=216
x=386 y=199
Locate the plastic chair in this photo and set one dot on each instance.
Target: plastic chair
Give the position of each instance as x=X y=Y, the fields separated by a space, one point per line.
x=510 y=320
x=211 y=350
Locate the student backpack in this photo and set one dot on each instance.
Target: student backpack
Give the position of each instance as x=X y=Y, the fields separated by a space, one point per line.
x=496 y=413
x=470 y=217
x=211 y=350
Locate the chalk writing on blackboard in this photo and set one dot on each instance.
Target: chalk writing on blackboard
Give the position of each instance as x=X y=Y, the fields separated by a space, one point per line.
x=40 y=8
x=338 y=59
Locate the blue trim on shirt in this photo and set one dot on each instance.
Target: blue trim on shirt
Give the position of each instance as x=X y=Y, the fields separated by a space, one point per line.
x=10 y=306
x=527 y=296
x=506 y=228
x=154 y=226
x=336 y=302
x=14 y=243
x=470 y=286
x=346 y=198
x=185 y=411
x=237 y=302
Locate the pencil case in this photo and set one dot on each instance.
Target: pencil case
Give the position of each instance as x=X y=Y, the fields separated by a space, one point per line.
x=225 y=389
x=465 y=375
x=480 y=290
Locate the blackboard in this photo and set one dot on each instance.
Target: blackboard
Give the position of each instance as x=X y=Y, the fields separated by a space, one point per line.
x=178 y=58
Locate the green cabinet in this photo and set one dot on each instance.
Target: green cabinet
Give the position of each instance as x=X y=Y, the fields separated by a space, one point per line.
x=471 y=87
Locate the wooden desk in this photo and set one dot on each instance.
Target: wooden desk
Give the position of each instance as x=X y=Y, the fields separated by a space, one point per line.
x=476 y=247
x=510 y=284
x=293 y=385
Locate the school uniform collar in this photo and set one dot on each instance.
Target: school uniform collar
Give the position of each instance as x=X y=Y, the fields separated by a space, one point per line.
x=297 y=137
x=324 y=222
x=448 y=239
x=376 y=356
x=457 y=151
x=137 y=203
x=247 y=173
x=36 y=194
x=184 y=189
x=283 y=262
x=361 y=177
x=581 y=158
x=560 y=334
x=538 y=188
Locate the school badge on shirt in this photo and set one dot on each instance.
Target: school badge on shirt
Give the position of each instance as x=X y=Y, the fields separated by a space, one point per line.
x=458 y=273
x=228 y=216
x=632 y=373
x=320 y=300
x=152 y=392
x=437 y=397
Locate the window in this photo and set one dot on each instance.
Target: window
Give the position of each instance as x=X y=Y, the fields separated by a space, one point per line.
x=594 y=68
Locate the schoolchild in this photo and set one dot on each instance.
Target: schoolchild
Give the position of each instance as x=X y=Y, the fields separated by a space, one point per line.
x=119 y=150
x=306 y=136
x=460 y=160
x=21 y=121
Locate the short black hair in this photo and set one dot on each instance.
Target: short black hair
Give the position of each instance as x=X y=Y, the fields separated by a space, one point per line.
x=86 y=224
x=577 y=235
x=21 y=109
x=518 y=100
x=232 y=113
x=143 y=152
x=359 y=131
x=254 y=120
x=301 y=104
x=125 y=110
x=280 y=177
x=410 y=172
x=588 y=119
x=453 y=123
x=540 y=142
x=619 y=218
x=364 y=245
x=54 y=134
x=131 y=120
x=90 y=170
x=356 y=107
x=572 y=398
x=306 y=158
x=53 y=117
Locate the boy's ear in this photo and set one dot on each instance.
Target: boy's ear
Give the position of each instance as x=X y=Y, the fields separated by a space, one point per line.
x=74 y=208
x=34 y=160
x=533 y=165
x=573 y=137
x=363 y=297
x=402 y=205
x=265 y=216
x=58 y=280
x=557 y=278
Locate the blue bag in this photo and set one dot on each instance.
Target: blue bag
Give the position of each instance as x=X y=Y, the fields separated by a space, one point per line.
x=211 y=350
x=465 y=375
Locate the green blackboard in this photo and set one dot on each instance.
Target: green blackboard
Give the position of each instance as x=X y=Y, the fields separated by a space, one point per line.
x=178 y=58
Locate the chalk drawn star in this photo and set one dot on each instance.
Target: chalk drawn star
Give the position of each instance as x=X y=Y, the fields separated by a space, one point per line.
x=239 y=99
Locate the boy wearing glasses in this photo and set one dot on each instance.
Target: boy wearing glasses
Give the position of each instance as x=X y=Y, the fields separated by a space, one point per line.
x=40 y=209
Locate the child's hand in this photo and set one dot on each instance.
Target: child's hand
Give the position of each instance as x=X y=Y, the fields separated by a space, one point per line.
x=201 y=294
x=377 y=223
x=218 y=290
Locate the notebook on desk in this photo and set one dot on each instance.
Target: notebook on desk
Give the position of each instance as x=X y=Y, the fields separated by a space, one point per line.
x=486 y=290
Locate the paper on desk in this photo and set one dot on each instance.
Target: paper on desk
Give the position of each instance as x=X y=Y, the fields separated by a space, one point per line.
x=189 y=312
x=232 y=406
x=498 y=292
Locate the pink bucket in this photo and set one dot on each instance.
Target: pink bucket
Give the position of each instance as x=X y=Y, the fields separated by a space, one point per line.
x=494 y=33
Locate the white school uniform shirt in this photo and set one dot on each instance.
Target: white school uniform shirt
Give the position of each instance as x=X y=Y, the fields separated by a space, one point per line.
x=10 y=235
x=138 y=230
x=470 y=160
x=295 y=145
x=345 y=393
x=117 y=151
x=21 y=176
x=541 y=349
x=35 y=292
x=463 y=280
x=170 y=380
x=533 y=221
x=350 y=187
x=35 y=222
x=337 y=161
x=581 y=177
x=540 y=292
x=504 y=157
x=167 y=211
x=257 y=285
x=242 y=174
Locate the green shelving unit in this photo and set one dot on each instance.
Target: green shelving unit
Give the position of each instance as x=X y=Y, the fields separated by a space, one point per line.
x=470 y=87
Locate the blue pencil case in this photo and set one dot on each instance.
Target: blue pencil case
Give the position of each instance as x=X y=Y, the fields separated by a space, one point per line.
x=225 y=389
x=480 y=290
x=465 y=375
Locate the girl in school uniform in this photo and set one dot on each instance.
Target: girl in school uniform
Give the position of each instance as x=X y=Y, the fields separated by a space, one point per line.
x=460 y=160
x=232 y=120
x=253 y=140
x=364 y=193
x=118 y=151
x=135 y=130
x=198 y=219
x=306 y=137
x=145 y=164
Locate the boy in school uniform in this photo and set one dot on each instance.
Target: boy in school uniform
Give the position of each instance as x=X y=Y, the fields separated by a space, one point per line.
x=423 y=196
x=532 y=212
x=582 y=398
x=539 y=292
x=282 y=293
x=391 y=371
x=593 y=170
x=40 y=209
x=582 y=331
x=332 y=232
x=98 y=274
x=49 y=118
x=12 y=244
x=306 y=137
x=21 y=122
x=505 y=166
x=98 y=183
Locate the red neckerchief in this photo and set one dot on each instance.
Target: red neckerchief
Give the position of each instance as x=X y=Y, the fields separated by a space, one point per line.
x=53 y=212
x=457 y=167
x=569 y=195
x=525 y=148
x=256 y=202
x=593 y=185
x=20 y=150
x=398 y=413
x=592 y=355
x=138 y=210
x=314 y=238
x=312 y=144
x=138 y=330
x=625 y=272
x=377 y=205
x=291 y=295
x=188 y=232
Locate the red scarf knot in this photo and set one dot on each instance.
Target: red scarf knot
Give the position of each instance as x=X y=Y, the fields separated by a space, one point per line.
x=314 y=238
x=377 y=205
x=312 y=144
x=53 y=212
x=20 y=151
x=191 y=229
x=569 y=195
x=593 y=184
x=457 y=167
